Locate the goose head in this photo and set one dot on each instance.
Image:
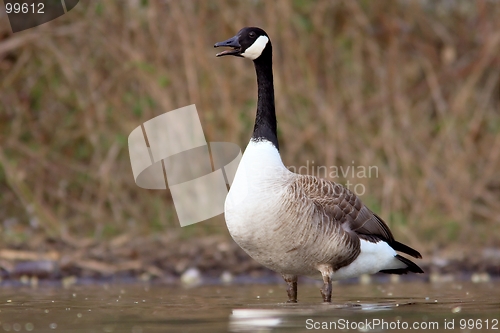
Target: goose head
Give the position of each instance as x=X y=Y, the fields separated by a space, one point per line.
x=250 y=42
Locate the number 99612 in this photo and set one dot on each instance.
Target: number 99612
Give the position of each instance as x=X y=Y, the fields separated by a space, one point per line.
x=478 y=324
x=25 y=8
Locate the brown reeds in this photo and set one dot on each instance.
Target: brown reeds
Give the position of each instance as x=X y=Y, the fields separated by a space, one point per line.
x=410 y=87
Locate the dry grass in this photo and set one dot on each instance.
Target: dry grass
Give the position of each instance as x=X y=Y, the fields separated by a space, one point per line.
x=411 y=87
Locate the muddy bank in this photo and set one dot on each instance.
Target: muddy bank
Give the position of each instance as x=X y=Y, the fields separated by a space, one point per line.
x=214 y=259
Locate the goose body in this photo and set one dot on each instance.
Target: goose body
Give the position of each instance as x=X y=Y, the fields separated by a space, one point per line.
x=298 y=224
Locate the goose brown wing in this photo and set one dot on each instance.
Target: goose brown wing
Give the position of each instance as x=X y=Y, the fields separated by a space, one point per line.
x=346 y=209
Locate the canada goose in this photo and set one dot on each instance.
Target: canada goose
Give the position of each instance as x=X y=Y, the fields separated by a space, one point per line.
x=299 y=224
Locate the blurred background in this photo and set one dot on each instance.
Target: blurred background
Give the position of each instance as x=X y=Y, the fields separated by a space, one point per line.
x=411 y=87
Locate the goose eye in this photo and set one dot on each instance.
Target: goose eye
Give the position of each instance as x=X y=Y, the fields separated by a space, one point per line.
x=251 y=34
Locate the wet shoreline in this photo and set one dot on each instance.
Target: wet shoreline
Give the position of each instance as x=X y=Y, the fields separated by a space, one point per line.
x=209 y=260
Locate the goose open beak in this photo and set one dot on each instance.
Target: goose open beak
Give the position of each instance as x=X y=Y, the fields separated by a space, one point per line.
x=231 y=42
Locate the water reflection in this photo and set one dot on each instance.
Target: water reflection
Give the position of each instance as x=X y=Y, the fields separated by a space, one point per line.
x=249 y=308
x=398 y=308
x=297 y=315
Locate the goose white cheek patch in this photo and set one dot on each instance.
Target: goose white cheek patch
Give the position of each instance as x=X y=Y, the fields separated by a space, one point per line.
x=255 y=50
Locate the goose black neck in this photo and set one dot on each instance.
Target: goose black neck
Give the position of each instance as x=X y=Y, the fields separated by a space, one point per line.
x=265 y=120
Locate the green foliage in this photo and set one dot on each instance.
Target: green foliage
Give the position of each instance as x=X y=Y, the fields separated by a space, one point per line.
x=409 y=87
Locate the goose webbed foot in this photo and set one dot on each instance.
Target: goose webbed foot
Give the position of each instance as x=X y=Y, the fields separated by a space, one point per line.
x=291 y=287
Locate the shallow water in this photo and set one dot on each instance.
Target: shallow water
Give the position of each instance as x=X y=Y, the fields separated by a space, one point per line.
x=250 y=308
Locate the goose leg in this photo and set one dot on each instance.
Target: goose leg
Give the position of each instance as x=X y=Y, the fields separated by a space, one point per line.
x=326 y=290
x=291 y=287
